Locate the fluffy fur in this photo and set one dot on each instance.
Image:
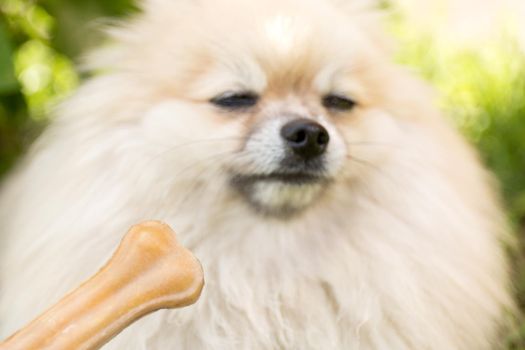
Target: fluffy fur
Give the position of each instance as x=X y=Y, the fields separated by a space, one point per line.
x=400 y=249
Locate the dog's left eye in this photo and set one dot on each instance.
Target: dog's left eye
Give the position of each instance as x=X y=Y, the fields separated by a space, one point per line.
x=235 y=100
x=338 y=102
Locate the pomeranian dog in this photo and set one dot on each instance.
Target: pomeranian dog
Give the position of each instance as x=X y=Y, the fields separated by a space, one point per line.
x=330 y=204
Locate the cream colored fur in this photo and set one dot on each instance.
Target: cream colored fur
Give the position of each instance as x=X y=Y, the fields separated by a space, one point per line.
x=403 y=250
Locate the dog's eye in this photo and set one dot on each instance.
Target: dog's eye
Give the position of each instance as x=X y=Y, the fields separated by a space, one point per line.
x=338 y=102
x=236 y=100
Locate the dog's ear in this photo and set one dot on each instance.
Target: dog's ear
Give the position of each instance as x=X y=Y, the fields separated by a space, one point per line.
x=158 y=4
x=371 y=17
x=149 y=5
x=355 y=5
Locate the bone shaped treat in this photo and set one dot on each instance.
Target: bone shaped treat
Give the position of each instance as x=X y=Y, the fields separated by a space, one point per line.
x=149 y=271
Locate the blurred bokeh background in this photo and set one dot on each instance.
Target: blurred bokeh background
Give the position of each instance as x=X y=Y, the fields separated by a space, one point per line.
x=471 y=51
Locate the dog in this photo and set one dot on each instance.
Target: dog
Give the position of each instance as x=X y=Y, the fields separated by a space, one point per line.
x=330 y=203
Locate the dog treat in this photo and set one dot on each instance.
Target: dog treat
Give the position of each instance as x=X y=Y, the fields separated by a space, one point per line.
x=149 y=271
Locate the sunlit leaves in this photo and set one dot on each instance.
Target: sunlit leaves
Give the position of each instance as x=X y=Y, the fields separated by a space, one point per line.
x=8 y=81
x=28 y=18
x=44 y=75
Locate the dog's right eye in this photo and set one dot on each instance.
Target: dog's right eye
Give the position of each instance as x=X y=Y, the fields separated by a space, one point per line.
x=235 y=100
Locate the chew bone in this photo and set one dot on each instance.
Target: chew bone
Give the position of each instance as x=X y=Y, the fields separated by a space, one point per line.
x=149 y=271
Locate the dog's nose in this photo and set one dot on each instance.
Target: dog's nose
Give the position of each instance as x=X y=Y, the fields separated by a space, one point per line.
x=305 y=137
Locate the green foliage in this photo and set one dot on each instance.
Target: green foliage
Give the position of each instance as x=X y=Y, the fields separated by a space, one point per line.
x=39 y=43
x=30 y=75
x=8 y=81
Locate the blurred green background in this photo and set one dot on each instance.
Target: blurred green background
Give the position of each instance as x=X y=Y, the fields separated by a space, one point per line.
x=481 y=81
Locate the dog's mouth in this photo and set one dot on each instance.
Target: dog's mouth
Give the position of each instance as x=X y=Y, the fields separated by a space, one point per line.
x=280 y=194
x=297 y=179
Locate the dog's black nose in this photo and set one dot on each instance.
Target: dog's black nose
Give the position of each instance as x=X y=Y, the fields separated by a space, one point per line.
x=305 y=137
